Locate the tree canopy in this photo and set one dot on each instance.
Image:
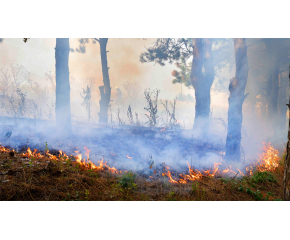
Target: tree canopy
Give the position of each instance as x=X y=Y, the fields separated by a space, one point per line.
x=168 y=49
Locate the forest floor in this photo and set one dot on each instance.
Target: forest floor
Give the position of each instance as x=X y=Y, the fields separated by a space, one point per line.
x=32 y=177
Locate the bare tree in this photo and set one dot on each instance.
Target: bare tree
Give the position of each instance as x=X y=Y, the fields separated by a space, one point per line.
x=170 y=116
x=86 y=95
x=152 y=100
x=133 y=91
x=15 y=82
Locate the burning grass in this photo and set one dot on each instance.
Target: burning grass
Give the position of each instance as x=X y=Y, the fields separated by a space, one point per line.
x=35 y=176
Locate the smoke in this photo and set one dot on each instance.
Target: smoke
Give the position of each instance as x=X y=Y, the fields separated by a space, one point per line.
x=37 y=56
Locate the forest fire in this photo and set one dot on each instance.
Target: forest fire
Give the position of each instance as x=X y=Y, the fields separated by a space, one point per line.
x=129 y=131
x=87 y=164
x=268 y=161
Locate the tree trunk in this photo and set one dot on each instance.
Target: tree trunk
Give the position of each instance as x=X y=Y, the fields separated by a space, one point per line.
x=62 y=103
x=105 y=90
x=286 y=182
x=272 y=89
x=282 y=108
x=202 y=54
x=236 y=99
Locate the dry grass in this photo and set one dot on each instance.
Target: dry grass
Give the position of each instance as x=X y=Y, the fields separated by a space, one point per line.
x=43 y=179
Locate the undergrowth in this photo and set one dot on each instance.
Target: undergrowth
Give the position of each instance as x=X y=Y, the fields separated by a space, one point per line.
x=65 y=180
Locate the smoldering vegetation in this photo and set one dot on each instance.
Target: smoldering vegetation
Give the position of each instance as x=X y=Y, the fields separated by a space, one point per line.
x=145 y=127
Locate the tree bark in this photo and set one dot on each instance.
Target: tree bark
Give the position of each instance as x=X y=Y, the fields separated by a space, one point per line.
x=62 y=103
x=236 y=99
x=272 y=89
x=105 y=90
x=282 y=107
x=286 y=182
x=202 y=54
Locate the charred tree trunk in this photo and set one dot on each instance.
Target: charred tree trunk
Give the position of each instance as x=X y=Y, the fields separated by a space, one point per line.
x=62 y=103
x=282 y=108
x=236 y=99
x=202 y=54
x=105 y=90
x=286 y=182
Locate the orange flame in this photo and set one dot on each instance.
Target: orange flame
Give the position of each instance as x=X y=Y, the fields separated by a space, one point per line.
x=87 y=152
x=268 y=161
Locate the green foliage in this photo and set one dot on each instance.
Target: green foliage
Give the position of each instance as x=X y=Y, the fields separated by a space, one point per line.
x=257 y=195
x=224 y=180
x=241 y=188
x=78 y=196
x=195 y=188
x=127 y=180
x=94 y=174
x=170 y=196
x=263 y=177
x=183 y=74
x=87 y=195
x=168 y=49
x=282 y=159
x=46 y=146
x=269 y=194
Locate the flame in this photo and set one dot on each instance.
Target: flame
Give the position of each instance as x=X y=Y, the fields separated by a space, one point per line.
x=79 y=158
x=62 y=155
x=163 y=129
x=192 y=176
x=240 y=172
x=87 y=152
x=268 y=161
x=3 y=149
x=29 y=153
x=168 y=174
